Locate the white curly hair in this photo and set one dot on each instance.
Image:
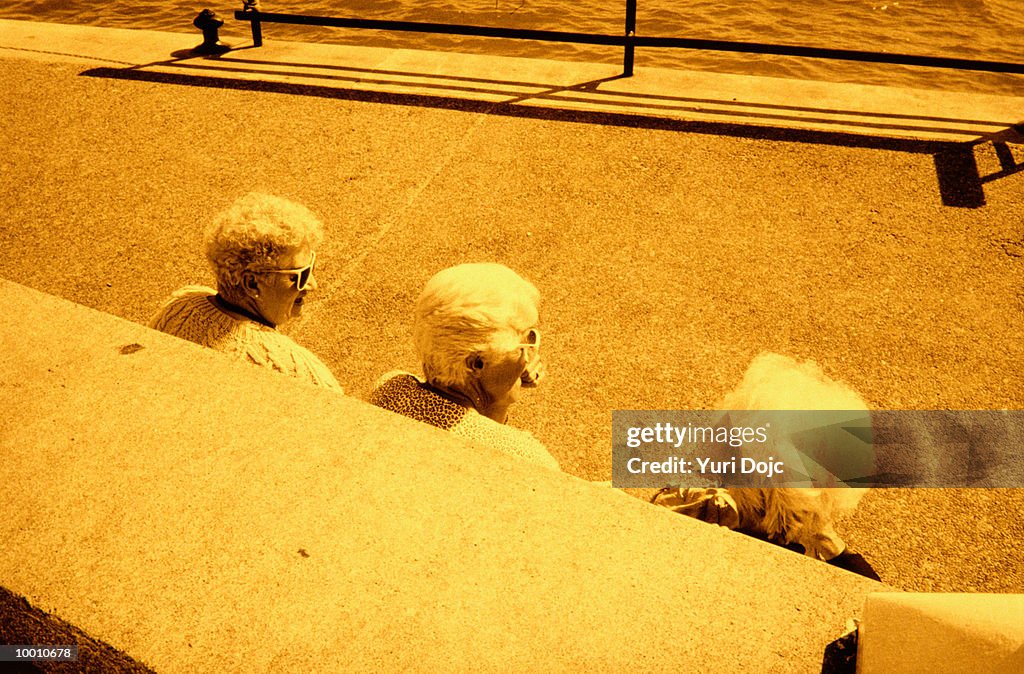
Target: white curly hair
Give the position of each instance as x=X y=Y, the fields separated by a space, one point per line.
x=253 y=232
x=468 y=309
x=786 y=514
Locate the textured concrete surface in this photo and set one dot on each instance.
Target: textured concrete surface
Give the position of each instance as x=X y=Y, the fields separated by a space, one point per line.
x=926 y=633
x=205 y=515
x=668 y=253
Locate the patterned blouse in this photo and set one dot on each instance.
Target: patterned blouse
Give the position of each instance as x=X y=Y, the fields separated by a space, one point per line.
x=406 y=394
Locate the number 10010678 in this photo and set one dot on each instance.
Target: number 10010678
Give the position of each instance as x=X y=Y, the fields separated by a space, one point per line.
x=33 y=653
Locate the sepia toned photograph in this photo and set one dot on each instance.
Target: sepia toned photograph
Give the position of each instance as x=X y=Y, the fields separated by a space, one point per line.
x=512 y=336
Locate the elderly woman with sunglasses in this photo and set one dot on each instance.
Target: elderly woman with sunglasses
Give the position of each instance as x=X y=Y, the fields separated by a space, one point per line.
x=261 y=250
x=475 y=332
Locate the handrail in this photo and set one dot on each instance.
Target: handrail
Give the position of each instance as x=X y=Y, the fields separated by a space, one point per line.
x=445 y=28
x=628 y=41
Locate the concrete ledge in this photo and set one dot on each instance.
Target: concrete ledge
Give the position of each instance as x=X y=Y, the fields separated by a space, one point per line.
x=979 y=633
x=696 y=97
x=203 y=515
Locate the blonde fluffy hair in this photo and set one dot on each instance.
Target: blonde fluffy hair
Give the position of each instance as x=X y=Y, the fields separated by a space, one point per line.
x=254 y=232
x=470 y=309
x=792 y=515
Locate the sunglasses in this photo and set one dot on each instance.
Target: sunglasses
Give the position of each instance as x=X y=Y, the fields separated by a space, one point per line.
x=302 y=274
x=531 y=347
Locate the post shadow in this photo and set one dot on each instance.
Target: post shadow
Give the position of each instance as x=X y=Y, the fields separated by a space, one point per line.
x=959 y=180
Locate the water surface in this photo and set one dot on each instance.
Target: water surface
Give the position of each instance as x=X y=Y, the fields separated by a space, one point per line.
x=974 y=29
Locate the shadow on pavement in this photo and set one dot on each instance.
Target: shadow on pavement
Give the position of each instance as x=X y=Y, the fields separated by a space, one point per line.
x=959 y=180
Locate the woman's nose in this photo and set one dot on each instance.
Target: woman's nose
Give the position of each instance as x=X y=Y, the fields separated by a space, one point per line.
x=311 y=284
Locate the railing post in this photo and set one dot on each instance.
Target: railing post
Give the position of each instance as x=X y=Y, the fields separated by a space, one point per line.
x=257 y=28
x=627 y=56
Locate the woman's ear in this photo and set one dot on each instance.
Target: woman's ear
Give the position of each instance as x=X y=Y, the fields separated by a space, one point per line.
x=250 y=284
x=474 y=363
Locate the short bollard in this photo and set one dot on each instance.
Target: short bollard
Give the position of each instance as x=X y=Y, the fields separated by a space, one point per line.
x=208 y=22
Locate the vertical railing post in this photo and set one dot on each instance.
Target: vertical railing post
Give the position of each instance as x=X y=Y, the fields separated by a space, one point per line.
x=257 y=33
x=257 y=28
x=627 y=56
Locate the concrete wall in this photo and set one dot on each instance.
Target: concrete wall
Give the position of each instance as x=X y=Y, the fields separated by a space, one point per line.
x=205 y=515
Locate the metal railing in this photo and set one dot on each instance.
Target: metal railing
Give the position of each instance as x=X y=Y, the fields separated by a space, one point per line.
x=252 y=13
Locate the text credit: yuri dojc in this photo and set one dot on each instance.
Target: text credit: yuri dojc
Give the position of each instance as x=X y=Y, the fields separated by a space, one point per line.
x=830 y=448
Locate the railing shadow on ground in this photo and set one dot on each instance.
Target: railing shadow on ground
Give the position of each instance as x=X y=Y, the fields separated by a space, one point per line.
x=959 y=179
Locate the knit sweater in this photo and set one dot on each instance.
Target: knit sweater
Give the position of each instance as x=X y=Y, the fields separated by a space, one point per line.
x=191 y=314
x=405 y=394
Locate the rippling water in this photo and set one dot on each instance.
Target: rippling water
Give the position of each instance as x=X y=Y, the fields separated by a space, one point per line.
x=977 y=29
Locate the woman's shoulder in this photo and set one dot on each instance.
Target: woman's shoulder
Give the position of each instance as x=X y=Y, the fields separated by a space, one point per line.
x=404 y=393
x=397 y=380
x=189 y=313
x=186 y=296
x=510 y=440
x=267 y=347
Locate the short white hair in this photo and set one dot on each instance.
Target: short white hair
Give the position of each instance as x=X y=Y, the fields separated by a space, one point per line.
x=470 y=309
x=253 y=232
